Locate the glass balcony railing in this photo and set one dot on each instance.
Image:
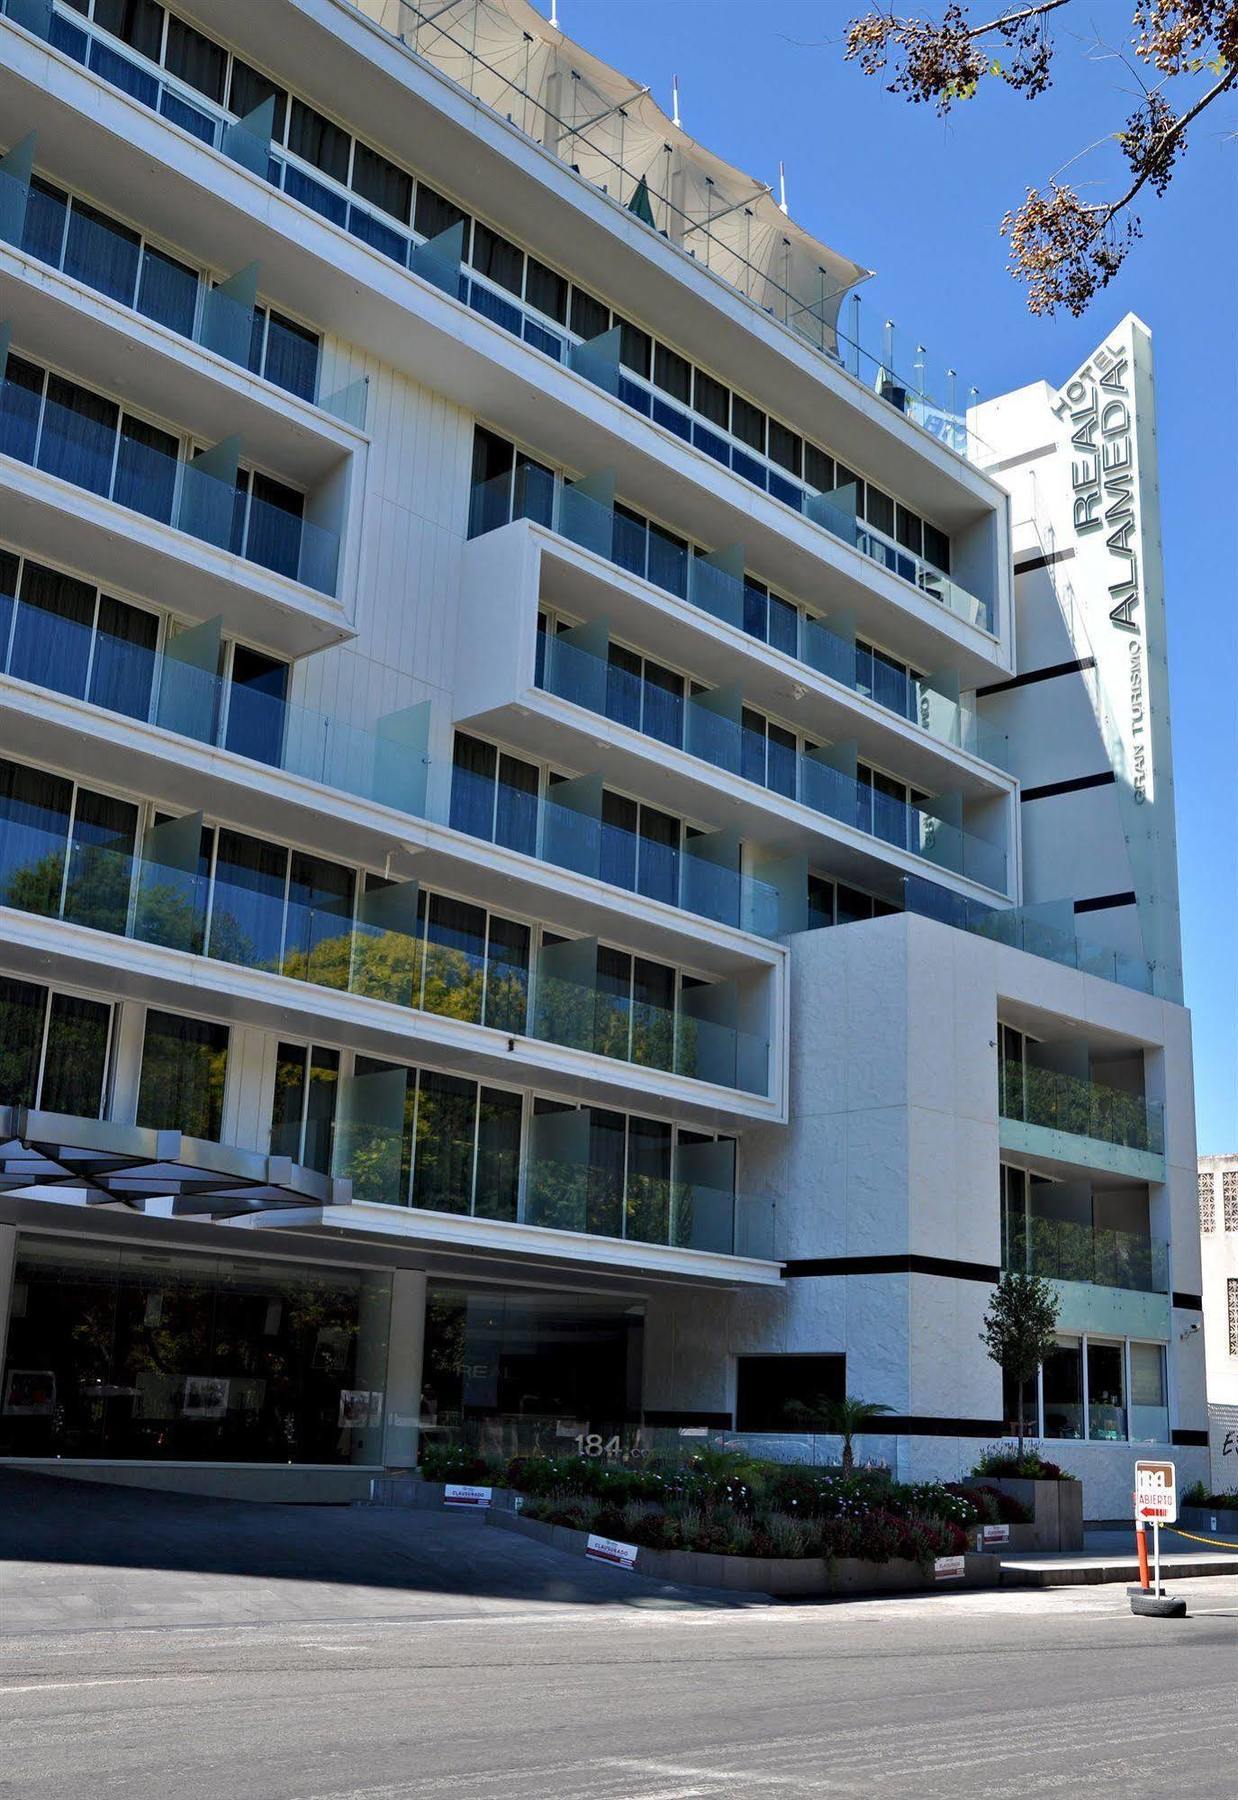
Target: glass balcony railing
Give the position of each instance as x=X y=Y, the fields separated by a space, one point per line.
x=102 y=254
x=578 y=837
x=387 y=763
x=585 y=1016
x=1079 y=1108
x=656 y=556
x=1068 y=1250
x=690 y=724
x=319 y=927
x=562 y=1195
x=1023 y=928
x=125 y=466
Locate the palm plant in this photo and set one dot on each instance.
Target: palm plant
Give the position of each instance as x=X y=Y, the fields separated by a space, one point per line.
x=849 y=1418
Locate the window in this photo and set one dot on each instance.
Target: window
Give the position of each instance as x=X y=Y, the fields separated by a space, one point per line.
x=1106 y=1391
x=1062 y=1378
x=184 y=1064
x=1207 y=1200
x=590 y=317
x=545 y=290
x=786 y=448
x=198 y=62
x=494 y=795
x=303 y=1110
x=257 y=708
x=711 y=399
x=672 y=373
x=382 y=183
x=316 y=140
x=787 y=1393
x=249 y=88
x=53 y=1049
x=434 y=215
x=285 y=352
x=138 y=23
x=498 y=259
x=635 y=348
x=748 y=423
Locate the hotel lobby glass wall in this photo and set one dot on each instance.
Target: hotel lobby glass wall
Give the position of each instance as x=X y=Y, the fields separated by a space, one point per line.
x=154 y=1356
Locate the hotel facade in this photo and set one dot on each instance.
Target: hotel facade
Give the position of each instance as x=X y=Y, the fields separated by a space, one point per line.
x=582 y=857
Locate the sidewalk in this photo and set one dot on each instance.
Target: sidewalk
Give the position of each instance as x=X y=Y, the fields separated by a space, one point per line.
x=1111 y=1556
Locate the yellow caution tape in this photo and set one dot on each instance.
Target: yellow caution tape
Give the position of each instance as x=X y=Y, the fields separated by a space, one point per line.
x=1213 y=1543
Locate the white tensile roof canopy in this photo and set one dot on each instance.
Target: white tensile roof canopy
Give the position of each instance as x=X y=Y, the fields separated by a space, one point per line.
x=614 y=134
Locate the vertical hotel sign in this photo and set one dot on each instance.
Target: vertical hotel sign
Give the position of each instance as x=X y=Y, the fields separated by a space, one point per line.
x=1107 y=432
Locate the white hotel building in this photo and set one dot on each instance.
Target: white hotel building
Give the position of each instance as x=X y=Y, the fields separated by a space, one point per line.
x=576 y=854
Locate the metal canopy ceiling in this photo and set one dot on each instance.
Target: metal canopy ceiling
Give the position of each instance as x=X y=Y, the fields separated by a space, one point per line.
x=131 y=1165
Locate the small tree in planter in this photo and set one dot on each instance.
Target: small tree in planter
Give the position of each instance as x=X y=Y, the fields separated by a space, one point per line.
x=1020 y=1329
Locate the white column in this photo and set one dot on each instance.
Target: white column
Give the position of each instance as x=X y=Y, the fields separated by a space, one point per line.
x=8 y=1258
x=405 y=1351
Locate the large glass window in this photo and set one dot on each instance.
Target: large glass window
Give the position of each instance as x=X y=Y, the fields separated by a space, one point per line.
x=787 y=1393
x=1062 y=1379
x=184 y=1066
x=1106 y=1390
x=53 y=1049
x=163 y=1356
x=303 y=1111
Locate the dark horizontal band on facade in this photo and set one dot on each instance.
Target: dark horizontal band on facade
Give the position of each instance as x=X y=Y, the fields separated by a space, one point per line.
x=1102 y=902
x=1186 y=1437
x=1034 y=675
x=1189 y=1302
x=1076 y=785
x=890 y=1265
x=1041 y=561
x=710 y=1421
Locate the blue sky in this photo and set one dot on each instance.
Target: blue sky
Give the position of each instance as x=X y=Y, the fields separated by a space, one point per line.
x=919 y=201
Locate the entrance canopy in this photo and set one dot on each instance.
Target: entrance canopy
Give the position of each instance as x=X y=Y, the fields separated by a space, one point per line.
x=610 y=130
x=106 y=1163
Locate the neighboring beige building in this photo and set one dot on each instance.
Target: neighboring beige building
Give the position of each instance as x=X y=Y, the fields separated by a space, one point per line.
x=1218 y=1237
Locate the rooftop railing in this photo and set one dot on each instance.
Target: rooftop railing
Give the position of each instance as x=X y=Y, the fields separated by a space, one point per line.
x=932 y=396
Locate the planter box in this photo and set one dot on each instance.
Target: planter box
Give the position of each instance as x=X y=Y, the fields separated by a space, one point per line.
x=786 y=1577
x=1199 y=1518
x=1056 y=1508
x=422 y=1496
x=1022 y=1537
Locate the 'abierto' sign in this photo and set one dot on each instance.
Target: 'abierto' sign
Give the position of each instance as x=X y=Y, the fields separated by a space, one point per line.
x=1156 y=1492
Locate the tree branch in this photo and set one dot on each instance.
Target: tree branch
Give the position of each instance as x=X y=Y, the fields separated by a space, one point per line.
x=1029 y=12
x=1165 y=141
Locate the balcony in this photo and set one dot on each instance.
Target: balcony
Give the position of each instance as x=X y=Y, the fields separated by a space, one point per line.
x=117 y=461
x=1062 y=1119
x=1065 y=1250
x=572 y=1174
x=177 y=689
x=1046 y=931
x=321 y=926
x=708 y=729
x=47 y=226
x=584 y=513
x=404 y=305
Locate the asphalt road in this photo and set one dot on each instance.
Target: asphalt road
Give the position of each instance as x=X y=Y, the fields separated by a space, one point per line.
x=156 y=1648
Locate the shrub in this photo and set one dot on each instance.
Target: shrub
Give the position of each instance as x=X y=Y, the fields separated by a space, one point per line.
x=1001 y=1460
x=1198 y=1495
x=784 y=1535
x=453 y=1462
